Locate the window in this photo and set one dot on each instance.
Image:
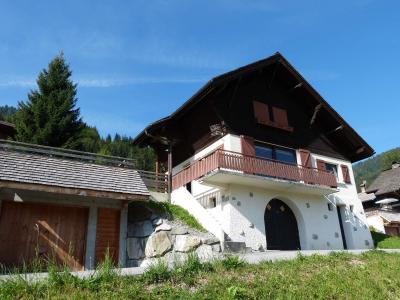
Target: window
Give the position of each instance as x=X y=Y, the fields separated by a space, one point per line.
x=276 y=153
x=332 y=168
x=271 y=116
x=330 y=208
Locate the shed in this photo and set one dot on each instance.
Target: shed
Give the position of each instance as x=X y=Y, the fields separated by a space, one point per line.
x=65 y=205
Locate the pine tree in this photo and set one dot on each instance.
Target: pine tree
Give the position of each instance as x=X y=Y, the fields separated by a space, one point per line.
x=49 y=116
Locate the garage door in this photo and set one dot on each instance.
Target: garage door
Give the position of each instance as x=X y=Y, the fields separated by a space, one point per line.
x=28 y=230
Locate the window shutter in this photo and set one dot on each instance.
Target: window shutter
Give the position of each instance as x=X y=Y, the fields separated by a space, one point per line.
x=321 y=165
x=247 y=144
x=261 y=112
x=305 y=158
x=346 y=174
x=280 y=117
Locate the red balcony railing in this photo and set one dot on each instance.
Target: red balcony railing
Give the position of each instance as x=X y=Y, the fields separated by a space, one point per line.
x=233 y=161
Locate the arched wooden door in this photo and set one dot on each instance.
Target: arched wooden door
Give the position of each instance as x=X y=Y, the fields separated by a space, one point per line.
x=281 y=227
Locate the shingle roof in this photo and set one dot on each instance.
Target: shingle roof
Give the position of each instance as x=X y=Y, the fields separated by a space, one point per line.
x=38 y=169
x=388 y=181
x=366 y=196
x=390 y=216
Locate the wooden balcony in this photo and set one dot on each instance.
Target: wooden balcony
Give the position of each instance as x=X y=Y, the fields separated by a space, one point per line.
x=237 y=163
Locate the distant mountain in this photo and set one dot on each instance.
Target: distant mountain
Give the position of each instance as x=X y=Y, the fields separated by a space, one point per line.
x=370 y=168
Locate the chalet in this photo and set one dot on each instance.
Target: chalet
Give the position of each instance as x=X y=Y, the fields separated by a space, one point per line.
x=6 y=130
x=381 y=201
x=263 y=161
x=64 y=204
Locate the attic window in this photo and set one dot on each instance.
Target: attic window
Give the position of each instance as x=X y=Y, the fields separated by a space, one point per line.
x=271 y=116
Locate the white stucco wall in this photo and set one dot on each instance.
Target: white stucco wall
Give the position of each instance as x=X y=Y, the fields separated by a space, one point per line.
x=376 y=222
x=242 y=216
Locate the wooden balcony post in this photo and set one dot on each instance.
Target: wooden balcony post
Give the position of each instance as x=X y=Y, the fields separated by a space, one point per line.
x=169 y=186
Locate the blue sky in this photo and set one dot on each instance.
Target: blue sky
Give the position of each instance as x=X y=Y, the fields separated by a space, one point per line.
x=137 y=61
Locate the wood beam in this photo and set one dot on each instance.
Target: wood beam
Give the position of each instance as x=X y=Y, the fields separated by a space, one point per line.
x=314 y=116
x=71 y=191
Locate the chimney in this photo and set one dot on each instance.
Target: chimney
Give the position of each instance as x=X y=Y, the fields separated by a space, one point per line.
x=362 y=186
x=395 y=164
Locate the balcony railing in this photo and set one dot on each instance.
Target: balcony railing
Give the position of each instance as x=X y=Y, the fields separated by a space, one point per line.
x=237 y=162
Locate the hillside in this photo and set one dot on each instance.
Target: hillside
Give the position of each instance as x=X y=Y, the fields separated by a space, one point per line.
x=370 y=168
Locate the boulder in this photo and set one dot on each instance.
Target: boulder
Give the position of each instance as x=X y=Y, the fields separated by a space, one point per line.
x=140 y=229
x=205 y=252
x=210 y=240
x=179 y=230
x=158 y=244
x=136 y=247
x=157 y=221
x=163 y=227
x=186 y=243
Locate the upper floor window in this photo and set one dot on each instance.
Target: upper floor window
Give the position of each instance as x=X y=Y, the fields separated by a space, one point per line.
x=276 y=153
x=271 y=116
x=332 y=168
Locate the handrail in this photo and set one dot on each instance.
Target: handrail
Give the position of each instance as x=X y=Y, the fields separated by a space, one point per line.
x=224 y=159
x=67 y=153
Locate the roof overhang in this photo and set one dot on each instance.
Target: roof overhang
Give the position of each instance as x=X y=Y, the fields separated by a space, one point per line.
x=71 y=191
x=362 y=149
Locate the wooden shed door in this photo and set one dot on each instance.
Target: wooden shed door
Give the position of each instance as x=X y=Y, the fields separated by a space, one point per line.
x=107 y=237
x=28 y=230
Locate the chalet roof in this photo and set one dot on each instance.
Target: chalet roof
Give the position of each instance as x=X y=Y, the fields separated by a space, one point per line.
x=388 y=181
x=7 y=128
x=362 y=149
x=364 y=197
x=390 y=216
x=38 y=169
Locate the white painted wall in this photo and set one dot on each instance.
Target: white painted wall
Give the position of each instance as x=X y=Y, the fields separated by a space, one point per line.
x=376 y=222
x=242 y=217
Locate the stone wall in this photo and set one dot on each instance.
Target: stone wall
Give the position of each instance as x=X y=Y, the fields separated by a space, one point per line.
x=152 y=235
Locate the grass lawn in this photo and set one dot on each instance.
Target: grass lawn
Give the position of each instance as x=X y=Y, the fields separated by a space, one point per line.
x=373 y=275
x=384 y=241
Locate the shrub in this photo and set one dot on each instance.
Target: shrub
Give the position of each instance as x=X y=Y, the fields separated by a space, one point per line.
x=232 y=262
x=157 y=272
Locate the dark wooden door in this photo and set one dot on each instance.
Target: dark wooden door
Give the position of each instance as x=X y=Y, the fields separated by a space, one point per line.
x=281 y=227
x=31 y=230
x=107 y=236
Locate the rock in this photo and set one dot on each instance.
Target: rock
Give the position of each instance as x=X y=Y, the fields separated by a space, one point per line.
x=179 y=230
x=210 y=240
x=138 y=211
x=157 y=221
x=205 y=252
x=186 y=243
x=136 y=247
x=163 y=227
x=158 y=244
x=140 y=229
x=216 y=247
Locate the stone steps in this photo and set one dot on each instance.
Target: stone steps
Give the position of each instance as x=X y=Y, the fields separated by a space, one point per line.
x=236 y=247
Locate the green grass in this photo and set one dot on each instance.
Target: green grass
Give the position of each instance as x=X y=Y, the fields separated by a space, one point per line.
x=373 y=275
x=384 y=241
x=176 y=212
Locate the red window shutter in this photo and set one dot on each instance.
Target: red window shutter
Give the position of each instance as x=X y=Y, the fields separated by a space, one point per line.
x=305 y=158
x=247 y=144
x=280 y=117
x=346 y=174
x=261 y=112
x=321 y=165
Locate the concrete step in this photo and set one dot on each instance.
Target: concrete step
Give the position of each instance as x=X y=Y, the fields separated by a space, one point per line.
x=236 y=247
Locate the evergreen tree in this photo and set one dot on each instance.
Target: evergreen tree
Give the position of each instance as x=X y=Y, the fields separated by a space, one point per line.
x=50 y=117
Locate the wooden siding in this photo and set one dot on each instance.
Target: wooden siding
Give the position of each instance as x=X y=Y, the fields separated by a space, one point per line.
x=28 y=230
x=220 y=159
x=107 y=235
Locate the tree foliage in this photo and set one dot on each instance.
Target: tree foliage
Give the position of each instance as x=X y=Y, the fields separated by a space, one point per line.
x=49 y=116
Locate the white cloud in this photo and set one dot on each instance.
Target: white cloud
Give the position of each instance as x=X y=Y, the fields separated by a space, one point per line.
x=19 y=83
